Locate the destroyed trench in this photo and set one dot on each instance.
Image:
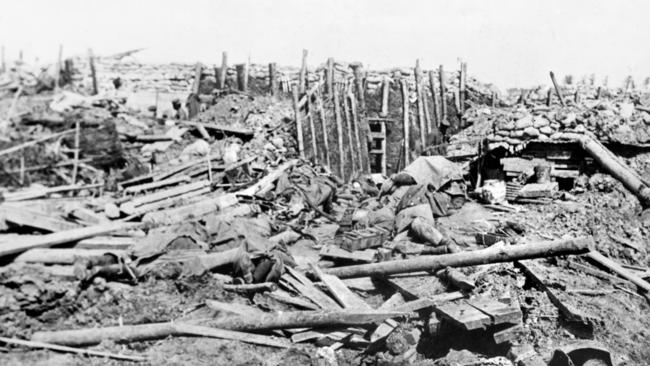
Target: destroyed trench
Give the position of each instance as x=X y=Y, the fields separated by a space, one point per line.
x=231 y=213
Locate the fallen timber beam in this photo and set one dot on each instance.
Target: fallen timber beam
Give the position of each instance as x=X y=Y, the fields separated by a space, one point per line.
x=19 y=147
x=250 y=322
x=465 y=259
x=619 y=270
x=606 y=159
x=20 y=245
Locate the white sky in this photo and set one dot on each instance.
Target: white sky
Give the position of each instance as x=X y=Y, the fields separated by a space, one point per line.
x=508 y=42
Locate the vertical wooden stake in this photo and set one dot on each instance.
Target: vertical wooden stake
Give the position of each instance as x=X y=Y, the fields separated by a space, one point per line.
x=418 y=91
x=273 y=80
x=93 y=73
x=302 y=76
x=296 y=109
x=196 y=86
x=385 y=91
x=22 y=167
x=330 y=76
x=312 y=129
x=224 y=70
x=405 y=120
x=427 y=112
x=57 y=71
x=434 y=105
x=557 y=88
x=576 y=97
x=75 y=167
x=242 y=77
x=549 y=97
x=348 y=126
x=207 y=159
x=462 y=90
x=361 y=153
x=494 y=99
x=321 y=114
x=358 y=85
x=339 y=131
x=443 y=96
x=598 y=92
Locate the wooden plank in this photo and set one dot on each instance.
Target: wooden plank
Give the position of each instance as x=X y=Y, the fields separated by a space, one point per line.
x=323 y=121
x=619 y=270
x=107 y=243
x=497 y=311
x=23 y=216
x=335 y=252
x=405 y=121
x=338 y=289
x=26 y=242
x=63 y=255
x=307 y=289
x=464 y=315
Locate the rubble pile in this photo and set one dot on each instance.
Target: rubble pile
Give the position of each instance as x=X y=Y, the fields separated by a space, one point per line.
x=152 y=236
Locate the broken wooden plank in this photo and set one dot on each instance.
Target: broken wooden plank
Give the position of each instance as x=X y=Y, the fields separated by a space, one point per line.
x=130 y=207
x=497 y=311
x=307 y=289
x=338 y=289
x=157 y=184
x=457 y=279
x=252 y=338
x=463 y=315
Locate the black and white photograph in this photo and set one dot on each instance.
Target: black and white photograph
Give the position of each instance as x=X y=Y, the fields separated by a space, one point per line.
x=324 y=182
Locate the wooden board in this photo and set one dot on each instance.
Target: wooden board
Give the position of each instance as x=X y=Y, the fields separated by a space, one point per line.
x=306 y=288
x=498 y=312
x=36 y=219
x=338 y=289
x=463 y=315
x=334 y=252
x=107 y=242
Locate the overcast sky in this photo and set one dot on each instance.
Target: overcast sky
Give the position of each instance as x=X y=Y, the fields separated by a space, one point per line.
x=508 y=42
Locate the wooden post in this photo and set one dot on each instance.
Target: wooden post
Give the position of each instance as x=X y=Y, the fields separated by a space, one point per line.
x=405 y=120
x=323 y=121
x=296 y=109
x=358 y=85
x=57 y=72
x=549 y=97
x=427 y=112
x=312 y=129
x=93 y=73
x=330 y=76
x=242 y=77
x=302 y=76
x=217 y=77
x=360 y=152
x=598 y=92
x=348 y=123
x=196 y=86
x=273 y=81
x=576 y=97
x=557 y=88
x=494 y=99
x=75 y=167
x=462 y=90
x=443 y=96
x=385 y=91
x=339 y=131
x=224 y=70
x=434 y=105
x=418 y=91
